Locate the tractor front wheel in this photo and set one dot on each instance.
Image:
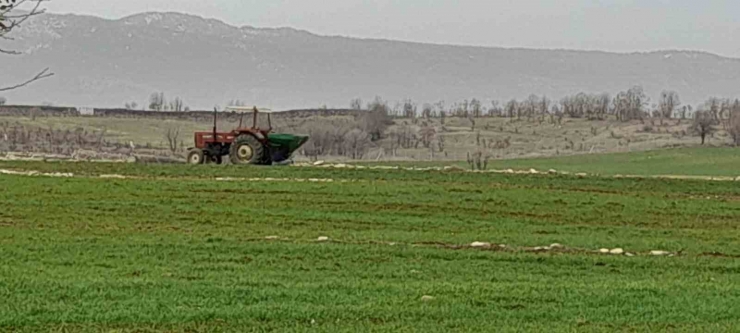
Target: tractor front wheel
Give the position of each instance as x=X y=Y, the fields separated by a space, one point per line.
x=196 y=156
x=246 y=149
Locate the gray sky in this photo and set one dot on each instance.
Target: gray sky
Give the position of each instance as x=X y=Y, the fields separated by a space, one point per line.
x=609 y=25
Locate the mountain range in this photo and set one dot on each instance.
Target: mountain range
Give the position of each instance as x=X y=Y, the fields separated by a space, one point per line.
x=106 y=63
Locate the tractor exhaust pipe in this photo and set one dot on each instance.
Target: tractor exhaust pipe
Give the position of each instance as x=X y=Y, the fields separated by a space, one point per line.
x=215 y=123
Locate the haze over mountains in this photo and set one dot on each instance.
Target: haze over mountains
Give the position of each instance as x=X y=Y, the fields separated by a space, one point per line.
x=106 y=63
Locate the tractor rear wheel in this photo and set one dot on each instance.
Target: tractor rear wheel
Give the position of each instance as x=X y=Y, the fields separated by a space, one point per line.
x=196 y=156
x=246 y=149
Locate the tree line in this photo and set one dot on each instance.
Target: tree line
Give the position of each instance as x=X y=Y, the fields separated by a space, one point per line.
x=632 y=104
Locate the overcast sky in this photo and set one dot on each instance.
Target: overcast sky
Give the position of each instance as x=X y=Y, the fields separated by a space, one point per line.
x=610 y=25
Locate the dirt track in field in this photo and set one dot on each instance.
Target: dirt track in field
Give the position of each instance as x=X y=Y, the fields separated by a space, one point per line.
x=551 y=172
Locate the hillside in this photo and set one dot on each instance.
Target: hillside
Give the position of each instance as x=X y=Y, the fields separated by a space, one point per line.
x=106 y=63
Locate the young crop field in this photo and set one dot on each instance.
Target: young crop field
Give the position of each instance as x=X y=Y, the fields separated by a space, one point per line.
x=699 y=161
x=94 y=247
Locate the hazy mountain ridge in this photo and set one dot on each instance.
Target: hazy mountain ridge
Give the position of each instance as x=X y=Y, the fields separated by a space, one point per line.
x=106 y=63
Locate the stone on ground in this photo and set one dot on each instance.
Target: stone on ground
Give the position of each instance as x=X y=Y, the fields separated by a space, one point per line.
x=323 y=239
x=480 y=244
x=427 y=298
x=617 y=251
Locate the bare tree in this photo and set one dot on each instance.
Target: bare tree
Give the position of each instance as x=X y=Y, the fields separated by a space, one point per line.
x=177 y=105
x=376 y=119
x=669 y=101
x=157 y=102
x=427 y=135
x=409 y=109
x=495 y=109
x=630 y=104
x=733 y=122
x=703 y=125
x=356 y=141
x=440 y=107
x=236 y=102
x=512 y=108
x=426 y=111
x=713 y=105
x=10 y=19
x=476 y=109
x=131 y=106
x=172 y=135
x=355 y=104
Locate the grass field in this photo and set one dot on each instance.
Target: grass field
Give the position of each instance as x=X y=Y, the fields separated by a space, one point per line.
x=699 y=161
x=174 y=249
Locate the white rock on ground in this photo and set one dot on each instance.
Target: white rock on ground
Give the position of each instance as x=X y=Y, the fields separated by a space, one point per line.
x=323 y=239
x=427 y=298
x=556 y=246
x=317 y=163
x=629 y=254
x=272 y=237
x=659 y=253
x=617 y=251
x=480 y=244
x=552 y=172
x=541 y=248
x=605 y=251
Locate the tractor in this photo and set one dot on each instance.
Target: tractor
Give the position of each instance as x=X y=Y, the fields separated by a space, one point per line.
x=244 y=145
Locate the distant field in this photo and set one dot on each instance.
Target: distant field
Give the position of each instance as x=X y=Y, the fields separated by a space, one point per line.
x=499 y=138
x=173 y=249
x=700 y=161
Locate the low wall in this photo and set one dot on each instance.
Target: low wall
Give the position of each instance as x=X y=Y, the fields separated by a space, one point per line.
x=56 y=111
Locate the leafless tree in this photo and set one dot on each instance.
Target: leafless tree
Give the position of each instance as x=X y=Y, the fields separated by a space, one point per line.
x=712 y=105
x=703 y=125
x=409 y=109
x=669 y=101
x=355 y=104
x=172 y=135
x=733 y=122
x=427 y=135
x=630 y=104
x=476 y=109
x=376 y=119
x=478 y=161
x=11 y=17
x=495 y=109
x=157 y=102
x=426 y=111
x=236 y=102
x=356 y=141
x=177 y=105
x=131 y=106
x=512 y=109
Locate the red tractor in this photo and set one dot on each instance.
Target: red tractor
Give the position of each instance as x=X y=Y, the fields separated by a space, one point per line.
x=244 y=145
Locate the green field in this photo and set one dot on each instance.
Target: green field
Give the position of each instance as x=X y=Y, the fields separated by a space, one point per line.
x=699 y=161
x=174 y=249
